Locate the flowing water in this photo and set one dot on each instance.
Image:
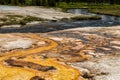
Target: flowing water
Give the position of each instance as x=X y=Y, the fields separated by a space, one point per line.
x=78 y=11
x=105 y=21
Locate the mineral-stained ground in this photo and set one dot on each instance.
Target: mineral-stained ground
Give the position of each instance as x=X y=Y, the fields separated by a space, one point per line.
x=74 y=54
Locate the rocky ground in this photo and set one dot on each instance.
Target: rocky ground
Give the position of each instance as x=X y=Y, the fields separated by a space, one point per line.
x=102 y=44
x=93 y=51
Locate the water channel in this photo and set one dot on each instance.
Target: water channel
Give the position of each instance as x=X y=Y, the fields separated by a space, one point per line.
x=105 y=21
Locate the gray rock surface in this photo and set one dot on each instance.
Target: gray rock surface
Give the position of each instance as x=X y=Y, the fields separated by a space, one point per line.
x=107 y=68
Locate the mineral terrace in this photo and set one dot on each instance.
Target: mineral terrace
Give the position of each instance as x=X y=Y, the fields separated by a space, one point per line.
x=73 y=54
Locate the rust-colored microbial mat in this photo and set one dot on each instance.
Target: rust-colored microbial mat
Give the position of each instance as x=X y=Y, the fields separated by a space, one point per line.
x=21 y=59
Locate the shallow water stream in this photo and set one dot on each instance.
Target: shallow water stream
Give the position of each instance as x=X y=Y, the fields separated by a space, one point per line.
x=105 y=21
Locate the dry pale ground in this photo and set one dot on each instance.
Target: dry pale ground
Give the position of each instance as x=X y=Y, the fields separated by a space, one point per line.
x=42 y=12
